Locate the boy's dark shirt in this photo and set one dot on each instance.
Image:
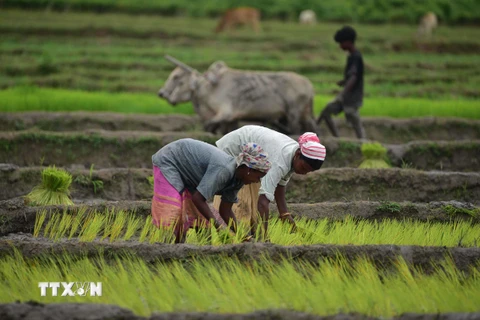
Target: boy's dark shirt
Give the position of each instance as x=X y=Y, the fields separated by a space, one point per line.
x=354 y=98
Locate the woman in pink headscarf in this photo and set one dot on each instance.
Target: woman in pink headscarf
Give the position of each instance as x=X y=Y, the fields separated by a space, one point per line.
x=286 y=155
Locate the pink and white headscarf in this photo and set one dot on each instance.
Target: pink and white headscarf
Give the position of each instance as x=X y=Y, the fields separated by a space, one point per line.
x=311 y=147
x=254 y=157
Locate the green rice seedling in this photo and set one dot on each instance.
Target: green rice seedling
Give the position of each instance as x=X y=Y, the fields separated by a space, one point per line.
x=118 y=225
x=92 y=227
x=109 y=218
x=145 y=230
x=132 y=226
x=62 y=227
x=347 y=231
x=52 y=222
x=228 y=285
x=374 y=155
x=151 y=181
x=39 y=220
x=76 y=221
x=54 y=189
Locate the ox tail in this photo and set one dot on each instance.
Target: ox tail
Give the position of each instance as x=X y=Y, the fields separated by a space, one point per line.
x=309 y=123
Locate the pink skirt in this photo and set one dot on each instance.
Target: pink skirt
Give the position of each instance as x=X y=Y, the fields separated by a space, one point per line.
x=169 y=207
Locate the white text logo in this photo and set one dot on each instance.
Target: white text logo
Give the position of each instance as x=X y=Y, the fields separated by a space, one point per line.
x=71 y=289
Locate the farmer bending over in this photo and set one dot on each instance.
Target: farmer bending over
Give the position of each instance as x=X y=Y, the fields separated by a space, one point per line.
x=286 y=155
x=187 y=172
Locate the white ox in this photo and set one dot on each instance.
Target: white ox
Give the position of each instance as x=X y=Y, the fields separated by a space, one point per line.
x=307 y=17
x=222 y=97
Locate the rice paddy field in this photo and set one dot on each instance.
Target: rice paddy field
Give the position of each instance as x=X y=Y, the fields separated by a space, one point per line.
x=78 y=93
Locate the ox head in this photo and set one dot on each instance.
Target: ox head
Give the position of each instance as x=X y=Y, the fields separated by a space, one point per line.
x=180 y=83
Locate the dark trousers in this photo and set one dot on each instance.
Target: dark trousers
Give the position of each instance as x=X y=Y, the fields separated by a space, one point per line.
x=351 y=114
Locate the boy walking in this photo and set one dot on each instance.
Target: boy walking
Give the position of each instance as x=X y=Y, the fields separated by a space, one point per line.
x=350 y=99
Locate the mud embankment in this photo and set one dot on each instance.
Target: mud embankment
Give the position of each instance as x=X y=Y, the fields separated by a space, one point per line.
x=134 y=149
x=349 y=184
x=383 y=256
x=386 y=130
x=332 y=184
x=78 y=121
x=16 y=216
x=88 y=311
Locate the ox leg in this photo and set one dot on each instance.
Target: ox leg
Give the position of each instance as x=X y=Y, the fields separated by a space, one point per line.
x=294 y=123
x=309 y=125
x=218 y=121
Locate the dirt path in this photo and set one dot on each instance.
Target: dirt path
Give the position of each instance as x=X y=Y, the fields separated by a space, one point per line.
x=89 y=311
x=383 y=256
x=18 y=217
x=332 y=184
x=387 y=130
x=134 y=149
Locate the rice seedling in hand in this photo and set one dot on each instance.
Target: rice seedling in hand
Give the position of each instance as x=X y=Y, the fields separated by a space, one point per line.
x=54 y=189
x=374 y=156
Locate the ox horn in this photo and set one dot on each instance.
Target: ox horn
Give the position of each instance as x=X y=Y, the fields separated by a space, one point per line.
x=179 y=63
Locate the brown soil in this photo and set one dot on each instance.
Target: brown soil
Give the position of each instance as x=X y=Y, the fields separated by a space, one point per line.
x=15 y=216
x=85 y=311
x=383 y=185
x=127 y=149
x=344 y=184
x=386 y=130
x=383 y=256
x=78 y=121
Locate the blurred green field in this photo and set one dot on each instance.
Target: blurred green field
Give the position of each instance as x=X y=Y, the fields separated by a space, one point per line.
x=44 y=99
x=124 y=53
x=376 y=11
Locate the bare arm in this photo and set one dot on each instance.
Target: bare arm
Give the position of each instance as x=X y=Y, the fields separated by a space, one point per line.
x=280 y=199
x=350 y=84
x=201 y=203
x=227 y=215
x=282 y=205
x=263 y=209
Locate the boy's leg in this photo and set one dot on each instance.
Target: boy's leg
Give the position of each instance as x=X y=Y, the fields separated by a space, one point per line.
x=353 y=116
x=334 y=107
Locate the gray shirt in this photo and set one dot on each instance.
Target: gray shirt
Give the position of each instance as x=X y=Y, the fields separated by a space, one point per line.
x=196 y=165
x=280 y=149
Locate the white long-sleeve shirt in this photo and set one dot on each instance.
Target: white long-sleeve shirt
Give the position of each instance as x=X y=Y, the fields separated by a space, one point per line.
x=280 y=148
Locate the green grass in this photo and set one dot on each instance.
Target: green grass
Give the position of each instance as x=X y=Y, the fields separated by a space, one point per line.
x=122 y=225
x=229 y=286
x=410 y=11
x=119 y=53
x=28 y=98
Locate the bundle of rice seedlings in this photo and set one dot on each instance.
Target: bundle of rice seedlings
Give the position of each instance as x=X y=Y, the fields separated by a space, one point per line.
x=374 y=155
x=53 y=190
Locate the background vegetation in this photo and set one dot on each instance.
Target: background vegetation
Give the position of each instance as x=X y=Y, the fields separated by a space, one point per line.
x=124 y=53
x=370 y=11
